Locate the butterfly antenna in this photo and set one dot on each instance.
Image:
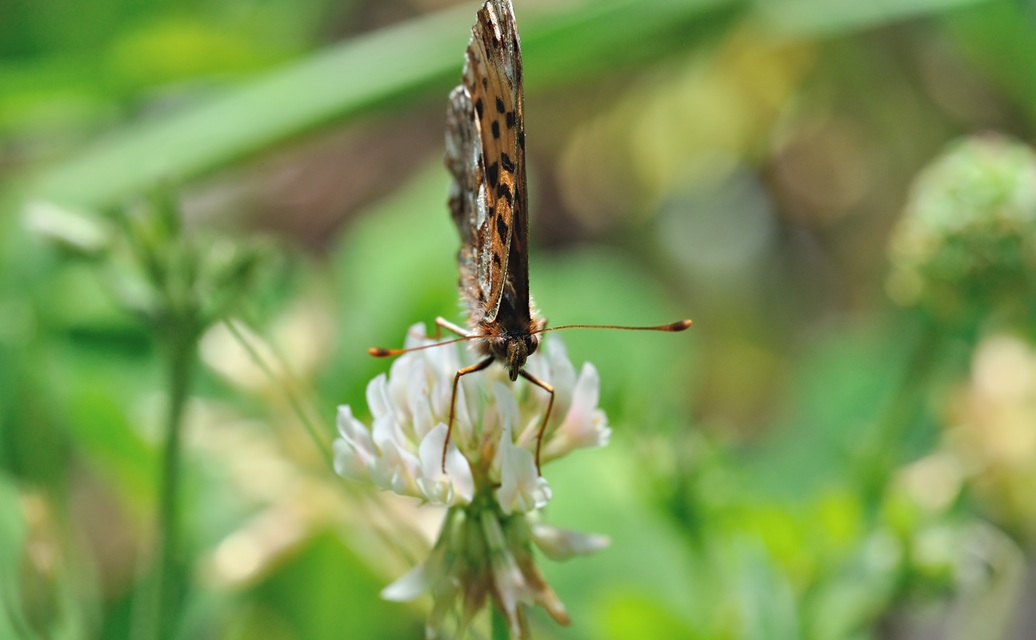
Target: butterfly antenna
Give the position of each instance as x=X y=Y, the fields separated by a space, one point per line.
x=380 y=352
x=672 y=327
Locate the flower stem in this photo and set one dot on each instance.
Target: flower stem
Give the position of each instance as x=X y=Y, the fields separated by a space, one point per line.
x=881 y=453
x=166 y=589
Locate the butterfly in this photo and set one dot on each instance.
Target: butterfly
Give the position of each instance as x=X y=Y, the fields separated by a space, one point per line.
x=485 y=155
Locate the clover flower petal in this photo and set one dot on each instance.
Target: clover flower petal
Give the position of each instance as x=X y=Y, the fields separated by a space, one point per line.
x=457 y=485
x=522 y=489
x=584 y=426
x=354 y=449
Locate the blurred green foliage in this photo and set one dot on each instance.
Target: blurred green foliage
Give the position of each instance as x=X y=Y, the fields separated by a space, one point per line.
x=827 y=454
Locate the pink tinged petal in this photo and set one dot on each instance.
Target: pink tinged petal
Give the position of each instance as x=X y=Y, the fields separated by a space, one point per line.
x=586 y=395
x=457 y=485
x=585 y=426
x=522 y=489
x=561 y=544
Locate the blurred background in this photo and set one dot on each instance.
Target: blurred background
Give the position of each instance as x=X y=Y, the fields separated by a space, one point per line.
x=841 y=195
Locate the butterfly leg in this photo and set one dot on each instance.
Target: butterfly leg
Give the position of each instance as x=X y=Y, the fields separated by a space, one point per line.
x=478 y=366
x=550 y=405
x=443 y=323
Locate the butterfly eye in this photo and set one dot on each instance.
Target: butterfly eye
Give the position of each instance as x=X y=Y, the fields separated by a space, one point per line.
x=531 y=343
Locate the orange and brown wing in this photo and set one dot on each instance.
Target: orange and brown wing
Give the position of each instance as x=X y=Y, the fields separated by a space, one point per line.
x=493 y=221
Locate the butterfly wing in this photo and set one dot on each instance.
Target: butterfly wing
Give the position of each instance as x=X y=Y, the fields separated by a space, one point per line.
x=464 y=161
x=487 y=158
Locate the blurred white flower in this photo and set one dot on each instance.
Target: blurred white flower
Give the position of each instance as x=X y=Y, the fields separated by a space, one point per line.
x=491 y=486
x=993 y=434
x=79 y=232
x=560 y=544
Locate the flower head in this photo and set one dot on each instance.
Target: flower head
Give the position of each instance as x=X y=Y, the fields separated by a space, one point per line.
x=967 y=240
x=491 y=486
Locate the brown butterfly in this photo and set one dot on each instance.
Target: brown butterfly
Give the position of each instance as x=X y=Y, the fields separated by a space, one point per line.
x=485 y=153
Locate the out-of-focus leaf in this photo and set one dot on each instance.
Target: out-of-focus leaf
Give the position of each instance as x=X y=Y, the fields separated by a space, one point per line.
x=766 y=602
x=326 y=592
x=634 y=616
x=415 y=57
x=827 y=17
x=840 y=392
x=345 y=81
x=1001 y=38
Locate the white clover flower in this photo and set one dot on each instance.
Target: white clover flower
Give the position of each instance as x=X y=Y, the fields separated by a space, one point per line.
x=491 y=487
x=402 y=450
x=966 y=243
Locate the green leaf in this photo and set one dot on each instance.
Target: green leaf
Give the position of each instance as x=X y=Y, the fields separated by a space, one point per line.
x=423 y=56
x=829 y=17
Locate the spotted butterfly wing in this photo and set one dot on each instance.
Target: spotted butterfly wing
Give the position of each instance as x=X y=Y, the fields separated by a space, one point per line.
x=485 y=153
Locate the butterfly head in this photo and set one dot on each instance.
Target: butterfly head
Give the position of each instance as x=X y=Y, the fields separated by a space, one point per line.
x=513 y=351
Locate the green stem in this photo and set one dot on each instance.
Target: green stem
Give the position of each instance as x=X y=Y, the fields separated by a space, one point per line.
x=499 y=629
x=167 y=581
x=881 y=456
